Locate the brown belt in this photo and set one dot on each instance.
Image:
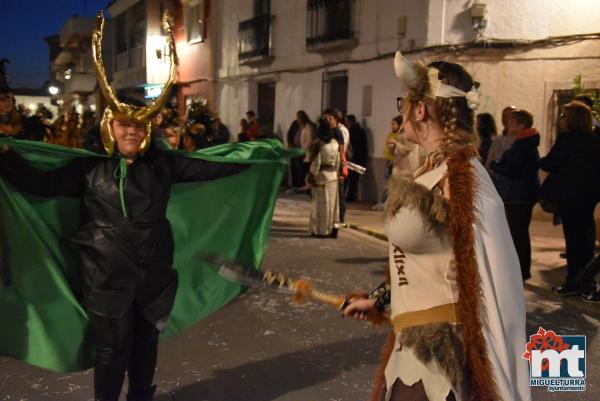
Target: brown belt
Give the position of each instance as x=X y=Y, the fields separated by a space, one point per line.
x=447 y=313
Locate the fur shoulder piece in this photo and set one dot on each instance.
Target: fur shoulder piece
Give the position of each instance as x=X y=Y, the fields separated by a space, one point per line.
x=404 y=192
x=461 y=207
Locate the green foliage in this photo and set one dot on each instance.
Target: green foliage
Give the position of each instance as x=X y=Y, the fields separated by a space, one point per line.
x=579 y=89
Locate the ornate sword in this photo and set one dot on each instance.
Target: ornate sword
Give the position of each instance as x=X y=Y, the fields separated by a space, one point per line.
x=300 y=289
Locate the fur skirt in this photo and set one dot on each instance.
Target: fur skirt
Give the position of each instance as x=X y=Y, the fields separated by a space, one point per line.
x=439 y=346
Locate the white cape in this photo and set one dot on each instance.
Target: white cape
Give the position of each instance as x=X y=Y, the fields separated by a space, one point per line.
x=502 y=286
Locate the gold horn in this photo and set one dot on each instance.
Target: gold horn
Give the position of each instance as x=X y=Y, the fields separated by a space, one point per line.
x=149 y=112
x=105 y=88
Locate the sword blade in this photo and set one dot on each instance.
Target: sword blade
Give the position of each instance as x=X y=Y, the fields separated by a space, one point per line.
x=250 y=277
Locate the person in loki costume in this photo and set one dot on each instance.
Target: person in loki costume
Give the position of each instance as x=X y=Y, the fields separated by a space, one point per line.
x=456 y=300
x=90 y=241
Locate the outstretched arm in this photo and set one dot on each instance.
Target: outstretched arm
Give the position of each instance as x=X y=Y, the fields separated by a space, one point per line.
x=63 y=181
x=187 y=169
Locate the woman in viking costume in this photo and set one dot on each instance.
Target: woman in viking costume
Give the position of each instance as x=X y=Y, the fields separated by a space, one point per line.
x=454 y=290
x=125 y=242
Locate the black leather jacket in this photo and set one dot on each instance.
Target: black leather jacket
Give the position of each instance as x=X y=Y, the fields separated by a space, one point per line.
x=124 y=259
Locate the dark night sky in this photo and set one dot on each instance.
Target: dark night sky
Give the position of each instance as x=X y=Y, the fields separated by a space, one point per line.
x=23 y=26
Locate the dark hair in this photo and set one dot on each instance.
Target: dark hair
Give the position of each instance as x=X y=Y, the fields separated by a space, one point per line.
x=523 y=117
x=303 y=117
x=197 y=133
x=398 y=119
x=250 y=113
x=324 y=131
x=578 y=117
x=351 y=117
x=486 y=125
x=335 y=113
x=586 y=99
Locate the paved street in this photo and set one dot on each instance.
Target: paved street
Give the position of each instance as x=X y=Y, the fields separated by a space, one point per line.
x=261 y=348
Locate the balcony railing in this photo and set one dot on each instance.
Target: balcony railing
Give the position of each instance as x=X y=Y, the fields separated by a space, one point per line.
x=330 y=21
x=255 y=38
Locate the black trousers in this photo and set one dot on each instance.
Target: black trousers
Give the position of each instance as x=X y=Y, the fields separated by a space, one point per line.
x=342 y=198
x=304 y=169
x=353 y=178
x=297 y=169
x=579 y=230
x=128 y=344
x=518 y=216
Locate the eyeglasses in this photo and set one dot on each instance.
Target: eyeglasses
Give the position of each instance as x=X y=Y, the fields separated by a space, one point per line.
x=399 y=103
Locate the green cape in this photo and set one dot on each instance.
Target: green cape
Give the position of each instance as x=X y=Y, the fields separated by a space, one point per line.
x=41 y=321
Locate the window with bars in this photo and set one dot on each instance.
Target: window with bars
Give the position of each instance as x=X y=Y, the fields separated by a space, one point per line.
x=121 y=33
x=194 y=21
x=137 y=25
x=335 y=91
x=329 y=20
x=254 y=35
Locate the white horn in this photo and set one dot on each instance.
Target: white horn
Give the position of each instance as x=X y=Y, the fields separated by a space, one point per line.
x=405 y=71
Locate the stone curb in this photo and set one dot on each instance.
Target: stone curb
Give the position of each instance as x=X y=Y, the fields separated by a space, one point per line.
x=530 y=285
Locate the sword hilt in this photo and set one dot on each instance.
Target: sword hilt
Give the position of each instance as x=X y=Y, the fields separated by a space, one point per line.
x=336 y=301
x=303 y=292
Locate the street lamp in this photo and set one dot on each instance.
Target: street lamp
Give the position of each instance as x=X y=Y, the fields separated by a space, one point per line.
x=53 y=90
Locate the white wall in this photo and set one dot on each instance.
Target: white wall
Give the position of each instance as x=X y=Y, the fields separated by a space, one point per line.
x=450 y=20
x=522 y=77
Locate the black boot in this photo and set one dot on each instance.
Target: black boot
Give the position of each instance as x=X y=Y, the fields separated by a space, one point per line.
x=143 y=395
x=334 y=233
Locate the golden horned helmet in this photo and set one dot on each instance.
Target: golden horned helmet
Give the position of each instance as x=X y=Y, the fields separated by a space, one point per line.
x=138 y=114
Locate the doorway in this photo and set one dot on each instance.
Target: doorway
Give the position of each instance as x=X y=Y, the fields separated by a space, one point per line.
x=266 y=104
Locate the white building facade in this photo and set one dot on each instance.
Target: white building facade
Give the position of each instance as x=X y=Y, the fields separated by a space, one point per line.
x=277 y=57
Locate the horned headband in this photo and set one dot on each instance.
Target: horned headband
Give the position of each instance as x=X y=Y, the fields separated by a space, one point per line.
x=408 y=74
x=134 y=113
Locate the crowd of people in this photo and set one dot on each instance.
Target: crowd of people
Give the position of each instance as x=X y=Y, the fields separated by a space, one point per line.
x=568 y=192
x=511 y=158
